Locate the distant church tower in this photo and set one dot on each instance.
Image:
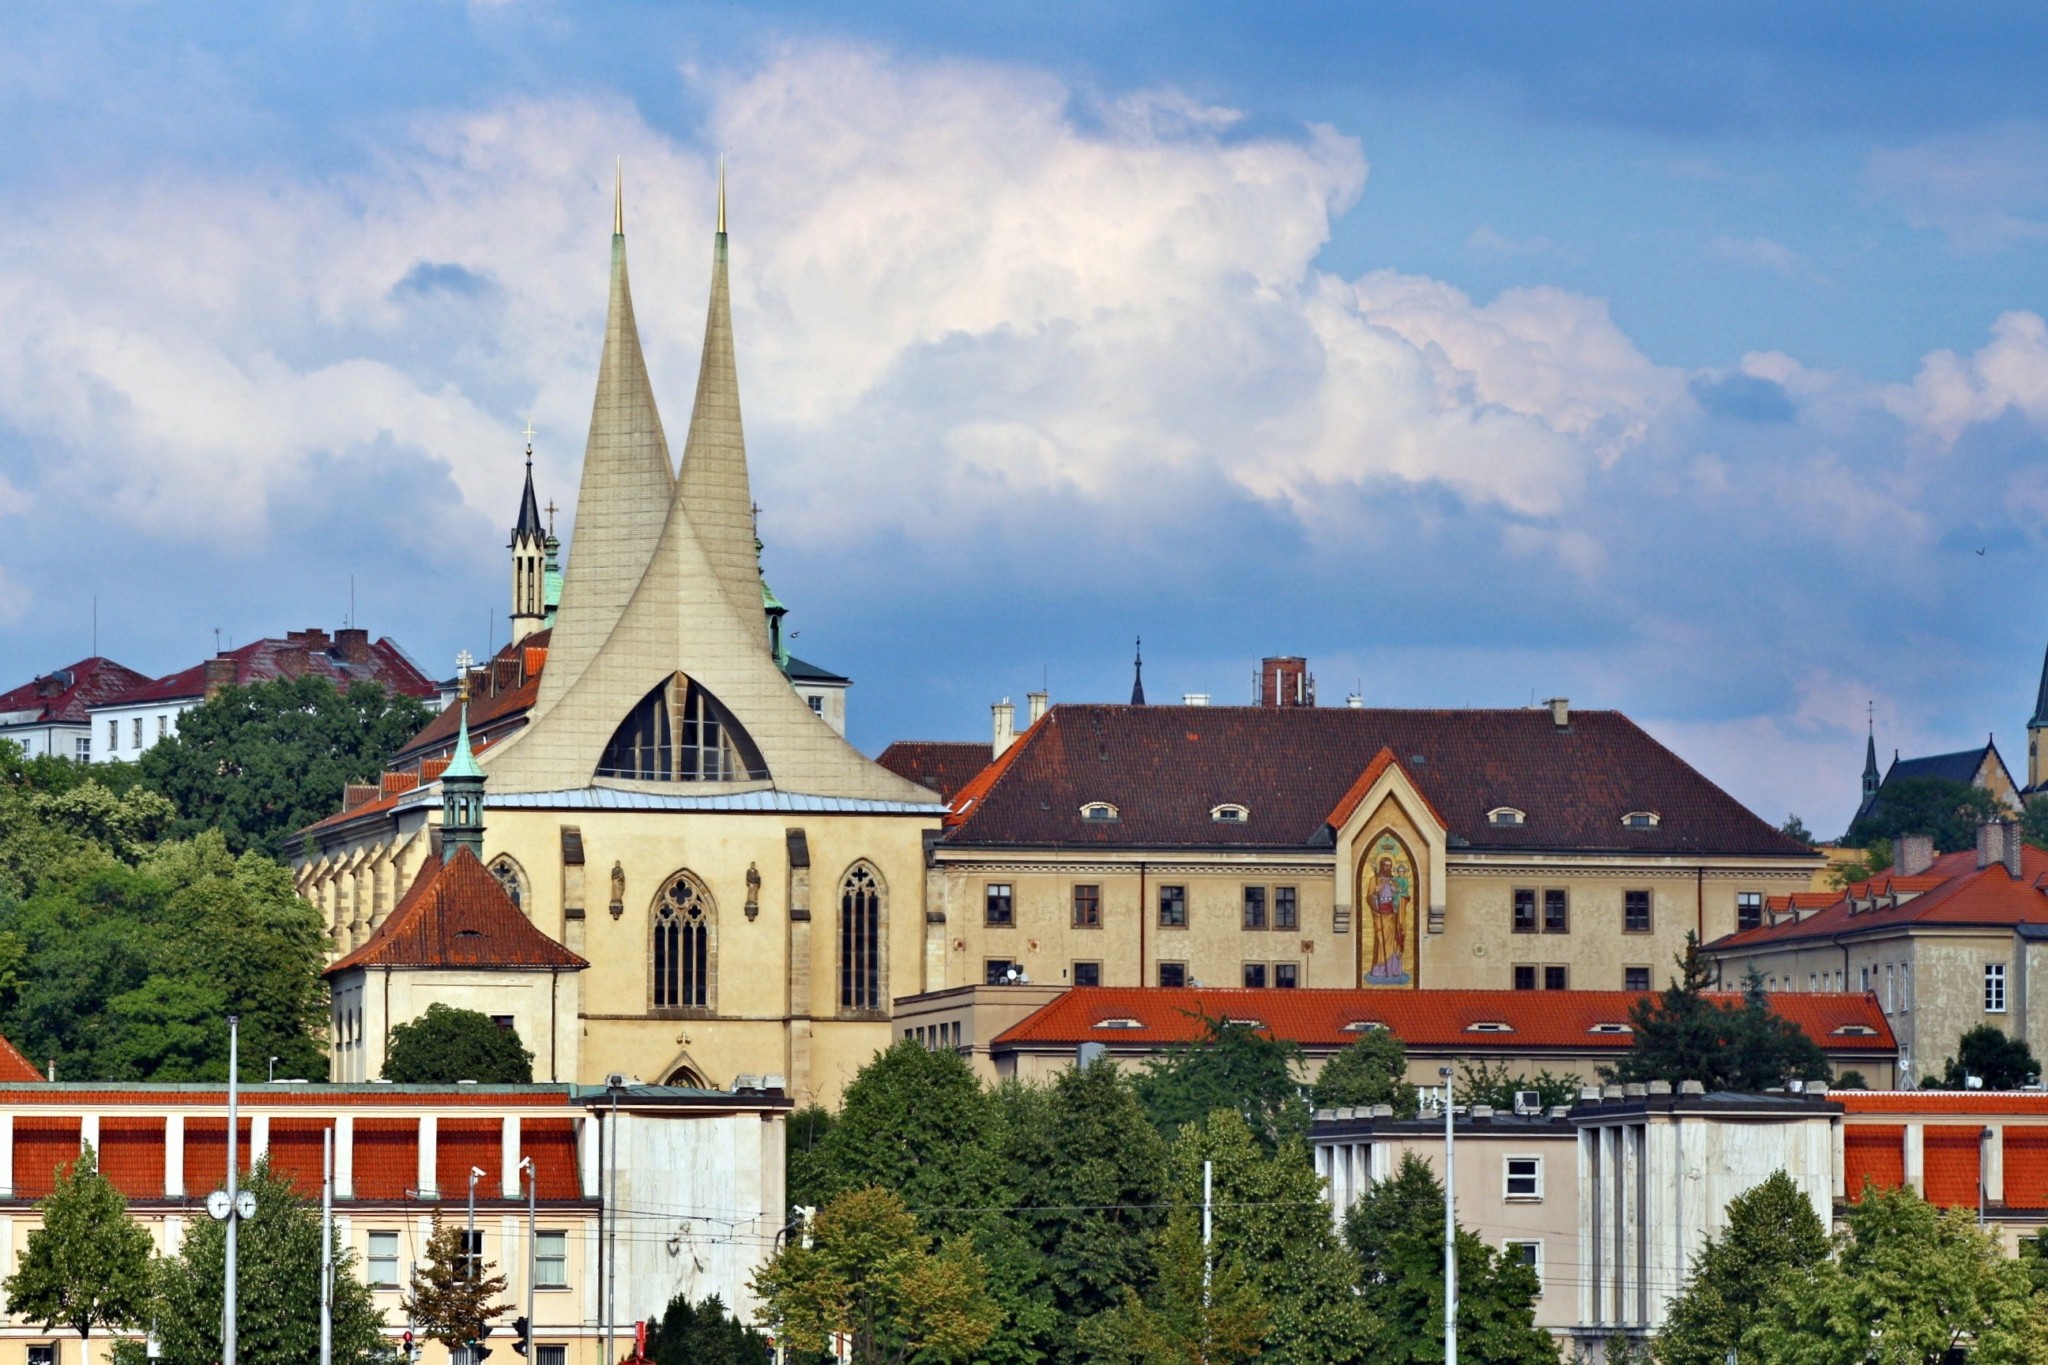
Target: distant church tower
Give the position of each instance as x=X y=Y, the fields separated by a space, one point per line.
x=530 y=557
x=1871 y=780
x=2037 y=758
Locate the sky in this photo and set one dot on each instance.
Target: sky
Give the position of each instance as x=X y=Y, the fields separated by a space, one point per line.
x=1687 y=360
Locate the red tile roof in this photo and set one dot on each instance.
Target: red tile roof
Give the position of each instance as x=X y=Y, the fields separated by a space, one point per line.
x=1874 y=1153
x=1318 y=1019
x=551 y=1143
x=131 y=1154
x=298 y=654
x=463 y=1144
x=1950 y=1154
x=1347 y=805
x=503 y=692
x=65 y=694
x=2026 y=1167
x=458 y=915
x=1952 y=891
x=1165 y=768
x=387 y=1158
x=14 y=1066
x=943 y=765
x=1944 y=1103
x=43 y=1143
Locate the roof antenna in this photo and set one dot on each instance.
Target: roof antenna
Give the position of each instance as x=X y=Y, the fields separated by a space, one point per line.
x=95 y=625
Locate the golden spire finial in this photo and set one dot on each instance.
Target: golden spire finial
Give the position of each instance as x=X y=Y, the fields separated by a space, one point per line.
x=721 y=194
x=619 y=198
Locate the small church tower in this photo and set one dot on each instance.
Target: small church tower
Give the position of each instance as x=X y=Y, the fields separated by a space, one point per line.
x=529 y=560
x=2037 y=740
x=462 y=788
x=1871 y=779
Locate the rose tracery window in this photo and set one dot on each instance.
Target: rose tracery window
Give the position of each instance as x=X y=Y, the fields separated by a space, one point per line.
x=683 y=925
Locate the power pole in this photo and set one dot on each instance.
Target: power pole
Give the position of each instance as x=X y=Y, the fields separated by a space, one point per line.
x=228 y=1350
x=1450 y=1226
x=532 y=1256
x=327 y=1247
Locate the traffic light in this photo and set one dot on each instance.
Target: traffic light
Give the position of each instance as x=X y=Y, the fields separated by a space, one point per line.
x=522 y=1337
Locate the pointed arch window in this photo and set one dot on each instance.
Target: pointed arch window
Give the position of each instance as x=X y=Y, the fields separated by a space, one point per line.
x=512 y=879
x=860 y=939
x=679 y=732
x=685 y=945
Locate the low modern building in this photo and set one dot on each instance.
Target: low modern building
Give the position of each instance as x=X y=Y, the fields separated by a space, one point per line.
x=50 y=716
x=1944 y=944
x=699 y=1181
x=1028 y=1030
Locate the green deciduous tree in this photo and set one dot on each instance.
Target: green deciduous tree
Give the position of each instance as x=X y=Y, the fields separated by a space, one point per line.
x=1993 y=1056
x=88 y=1265
x=446 y=1045
x=2034 y=821
x=1910 y=1284
x=1770 y=1234
x=1396 y=1232
x=278 y=1288
x=259 y=763
x=1795 y=828
x=1944 y=809
x=1372 y=1070
x=1199 y=1313
x=1492 y=1083
x=702 y=1334
x=803 y=1158
x=452 y=1297
x=1682 y=1034
x=870 y=1273
x=1231 y=1066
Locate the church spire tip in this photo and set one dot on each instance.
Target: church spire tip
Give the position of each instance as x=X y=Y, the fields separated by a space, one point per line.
x=1138 y=673
x=619 y=197
x=721 y=194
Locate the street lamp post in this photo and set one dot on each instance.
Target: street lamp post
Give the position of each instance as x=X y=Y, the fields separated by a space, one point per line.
x=532 y=1256
x=228 y=1352
x=470 y=1250
x=1450 y=1225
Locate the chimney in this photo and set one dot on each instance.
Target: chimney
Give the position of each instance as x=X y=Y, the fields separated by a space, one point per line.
x=220 y=672
x=1998 y=841
x=291 y=660
x=1913 y=854
x=1561 y=712
x=354 y=645
x=1284 y=681
x=314 y=637
x=1004 y=717
x=1035 y=704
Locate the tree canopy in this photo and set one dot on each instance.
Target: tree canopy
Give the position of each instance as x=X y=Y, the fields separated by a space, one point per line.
x=1372 y=1070
x=1947 y=810
x=702 y=1334
x=1231 y=1066
x=446 y=1045
x=1993 y=1056
x=88 y=1264
x=454 y=1298
x=259 y=763
x=1683 y=1035
x=1770 y=1234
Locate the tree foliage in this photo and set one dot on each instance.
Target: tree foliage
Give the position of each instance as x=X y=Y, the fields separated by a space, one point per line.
x=1795 y=828
x=1993 y=1056
x=1771 y=1233
x=1492 y=1083
x=1372 y=1070
x=866 y=1270
x=1231 y=1066
x=1945 y=809
x=446 y=1045
x=453 y=1297
x=1200 y=1313
x=1683 y=1035
x=259 y=763
x=1910 y=1284
x=2034 y=821
x=88 y=1264
x=1396 y=1232
x=278 y=1322
x=803 y=1159
x=702 y=1334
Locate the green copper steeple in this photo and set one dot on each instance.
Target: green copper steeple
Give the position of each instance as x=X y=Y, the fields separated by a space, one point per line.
x=462 y=787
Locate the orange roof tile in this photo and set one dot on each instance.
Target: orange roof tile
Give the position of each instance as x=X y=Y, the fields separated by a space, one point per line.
x=1944 y=1103
x=1874 y=1153
x=1953 y=891
x=458 y=915
x=1347 y=805
x=1950 y=1154
x=14 y=1066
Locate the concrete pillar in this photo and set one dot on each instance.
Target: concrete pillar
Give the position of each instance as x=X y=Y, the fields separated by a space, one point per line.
x=1994 y=1164
x=174 y=1156
x=511 y=1183
x=259 y=1137
x=1916 y=1159
x=345 y=1157
x=89 y=1132
x=429 y=1138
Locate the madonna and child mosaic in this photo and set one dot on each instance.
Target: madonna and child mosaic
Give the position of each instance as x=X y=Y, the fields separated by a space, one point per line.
x=1387 y=897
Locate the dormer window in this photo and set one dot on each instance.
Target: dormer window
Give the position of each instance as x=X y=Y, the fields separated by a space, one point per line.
x=1098 y=812
x=1640 y=819
x=1118 y=1023
x=1506 y=815
x=1610 y=1028
x=1855 y=1031
x=1230 y=814
x=1363 y=1026
x=1246 y=1023
x=1490 y=1026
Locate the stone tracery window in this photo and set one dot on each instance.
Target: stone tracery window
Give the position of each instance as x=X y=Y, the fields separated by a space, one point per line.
x=512 y=879
x=679 y=732
x=684 y=951
x=860 y=939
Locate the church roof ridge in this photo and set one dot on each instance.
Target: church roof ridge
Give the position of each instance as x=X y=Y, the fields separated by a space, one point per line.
x=456 y=914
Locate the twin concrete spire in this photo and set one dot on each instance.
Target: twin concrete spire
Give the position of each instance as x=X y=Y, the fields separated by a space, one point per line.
x=664 y=579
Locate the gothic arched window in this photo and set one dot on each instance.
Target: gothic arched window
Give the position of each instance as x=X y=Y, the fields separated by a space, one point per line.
x=509 y=876
x=683 y=949
x=679 y=732
x=860 y=939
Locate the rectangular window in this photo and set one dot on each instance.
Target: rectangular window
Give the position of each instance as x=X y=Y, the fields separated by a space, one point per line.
x=1087 y=907
x=1286 y=976
x=551 y=1355
x=1524 y=1177
x=1525 y=912
x=1749 y=909
x=1525 y=977
x=82 y=750
x=551 y=1260
x=42 y=1355
x=1864 y=979
x=995 y=971
x=136 y=732
x=382 y=1265
x=998 y=908
x=817 y=704
x=1286 y=913
x=1906 y=986
x=114 y=738
x=1635 y=978
x=1173 y=907
x=1553 y=978
x=1528 y=1254
x=1811 y=979
x=1255 y=907
x=163 y=726
x=1087 y=973
x=1891 y=997
x=1255 y=976
x=1635 y=912
x=1556 y=913
x=1173 y=973
x=1994 y=987
x=472 y=1259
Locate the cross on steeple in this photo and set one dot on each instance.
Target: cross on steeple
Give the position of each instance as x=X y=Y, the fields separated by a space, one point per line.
x=551 y=516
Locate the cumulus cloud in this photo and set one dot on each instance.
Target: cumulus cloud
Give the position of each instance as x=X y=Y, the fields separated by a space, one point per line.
x=1985 y=190
x=1952 y=393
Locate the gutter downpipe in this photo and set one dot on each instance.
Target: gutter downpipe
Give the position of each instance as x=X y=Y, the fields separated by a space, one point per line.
x=1141 y=921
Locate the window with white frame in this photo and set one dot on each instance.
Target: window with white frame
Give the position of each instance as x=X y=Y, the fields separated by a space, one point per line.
x=1523 y=1177
x=1529 y=1254
x=1906 y=986
x=1994 y=988
x=1891 y=996
x=551 y=1355
x=382 y=1263
x=551 y=1260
